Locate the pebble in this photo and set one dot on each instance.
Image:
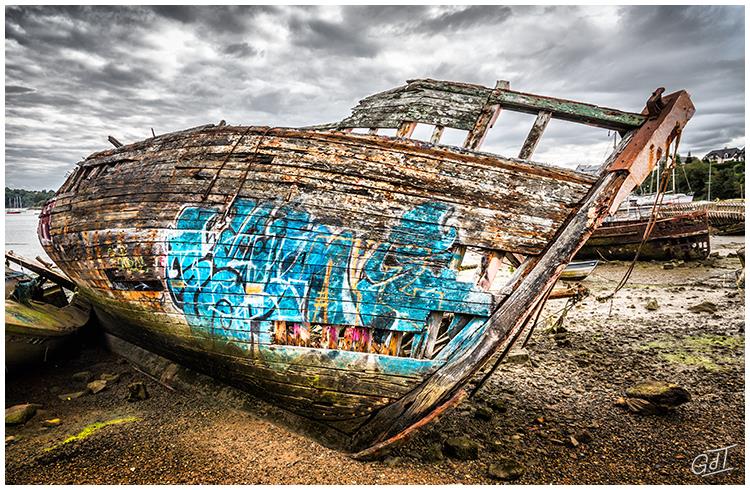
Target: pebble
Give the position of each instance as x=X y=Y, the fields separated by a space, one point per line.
x=73 y=396
x=137 y=392
x=483 y=413
x=433 y=453
x=506 y=469
x=20 y=414
x=462 y=448
x=110 y=378
x=652 y=304
x=518 y=356
x=97 y=386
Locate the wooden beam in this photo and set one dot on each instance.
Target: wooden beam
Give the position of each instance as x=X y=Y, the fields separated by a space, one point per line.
x=568 y=110
x=437 y=133
x=535 y=134
x=515 y=259
x=114 y=141
x=58 y=277
x=640 y=151
x=458 y=105
x=487 y=275
x=459 y=251
x=485 y=120
x=406 y=129
x=563 y=292
x=433 y=327
x=564 y=109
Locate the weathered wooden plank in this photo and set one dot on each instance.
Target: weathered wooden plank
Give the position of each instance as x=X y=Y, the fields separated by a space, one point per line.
x=638 y=156
x=535 y=134
x=376 y=210
x=560 y=108
x=489 y=268
x=433 y=326
x=485 y=120
x=406 y=178
x=202 y=147
x=445 y=97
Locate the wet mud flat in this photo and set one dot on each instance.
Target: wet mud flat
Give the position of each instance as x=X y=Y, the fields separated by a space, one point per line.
x=550 y=412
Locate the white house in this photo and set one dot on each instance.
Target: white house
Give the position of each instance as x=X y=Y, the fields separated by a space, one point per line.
x=727 y=154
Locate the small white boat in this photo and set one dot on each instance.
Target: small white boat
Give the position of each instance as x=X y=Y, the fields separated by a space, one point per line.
x=579 y=270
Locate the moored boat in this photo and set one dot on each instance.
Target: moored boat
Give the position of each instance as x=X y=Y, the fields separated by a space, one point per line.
x=578 y=270
x=684 y=236
x=317 y=267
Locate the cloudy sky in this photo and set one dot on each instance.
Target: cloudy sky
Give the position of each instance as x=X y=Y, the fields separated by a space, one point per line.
x=74 y=75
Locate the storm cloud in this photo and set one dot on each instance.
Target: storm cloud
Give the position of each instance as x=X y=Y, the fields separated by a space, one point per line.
x=77 y=74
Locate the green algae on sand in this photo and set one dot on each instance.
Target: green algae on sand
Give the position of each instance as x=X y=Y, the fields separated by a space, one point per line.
x=90 y=429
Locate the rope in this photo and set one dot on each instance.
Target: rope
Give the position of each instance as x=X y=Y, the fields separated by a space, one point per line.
x=244 y=176
x=690 y=189
x=652 y=219
x=538 y=314
x=226 y=159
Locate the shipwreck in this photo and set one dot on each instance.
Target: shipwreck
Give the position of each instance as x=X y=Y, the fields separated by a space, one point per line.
x=318 y=267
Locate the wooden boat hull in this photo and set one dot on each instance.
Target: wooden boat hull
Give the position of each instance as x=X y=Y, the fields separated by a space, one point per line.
x=36 y=331
x=320 y=269
x=683 y=237
x=158 y=275
x=724 y=217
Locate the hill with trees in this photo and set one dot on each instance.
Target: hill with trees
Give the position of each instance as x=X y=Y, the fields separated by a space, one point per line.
x=691 y=176
x=28 y=199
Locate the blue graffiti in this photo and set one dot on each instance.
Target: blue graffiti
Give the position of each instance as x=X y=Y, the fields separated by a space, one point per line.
x=275 y=262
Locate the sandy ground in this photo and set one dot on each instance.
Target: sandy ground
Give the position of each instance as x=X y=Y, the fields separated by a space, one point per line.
x=568 y=387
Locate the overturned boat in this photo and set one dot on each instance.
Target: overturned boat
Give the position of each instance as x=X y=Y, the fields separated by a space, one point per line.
x=317 y=267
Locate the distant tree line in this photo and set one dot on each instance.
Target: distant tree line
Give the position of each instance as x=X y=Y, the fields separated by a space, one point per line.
x=28 y=199
x=691 y=177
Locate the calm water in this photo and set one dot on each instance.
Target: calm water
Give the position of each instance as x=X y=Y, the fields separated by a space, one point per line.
x=20 y=234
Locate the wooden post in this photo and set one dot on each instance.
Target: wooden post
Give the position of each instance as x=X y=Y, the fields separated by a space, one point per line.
x=535 y=134
x=433 y=327
x=437 y=133
x=487 y=275
x=406 y=129
x=485 y=121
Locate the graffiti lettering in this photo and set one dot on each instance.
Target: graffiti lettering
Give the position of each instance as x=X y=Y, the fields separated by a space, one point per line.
x=273 y=262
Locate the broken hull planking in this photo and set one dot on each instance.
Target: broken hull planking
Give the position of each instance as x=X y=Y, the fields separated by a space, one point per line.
x=682 y=237
x=35 y=331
